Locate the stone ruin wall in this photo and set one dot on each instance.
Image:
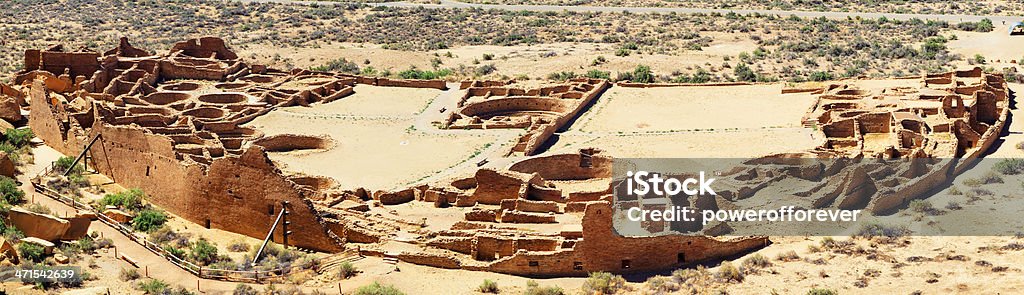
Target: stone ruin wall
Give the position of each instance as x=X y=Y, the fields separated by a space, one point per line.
x=244 y=183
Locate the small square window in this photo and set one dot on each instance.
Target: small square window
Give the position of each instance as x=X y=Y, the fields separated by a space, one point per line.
x=626 y=263
x=534 y=263
x=576 y=265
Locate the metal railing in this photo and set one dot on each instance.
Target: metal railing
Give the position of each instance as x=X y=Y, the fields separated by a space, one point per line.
x=251 y=276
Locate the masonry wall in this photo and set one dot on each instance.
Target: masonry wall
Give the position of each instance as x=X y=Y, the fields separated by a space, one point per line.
x=238 y=194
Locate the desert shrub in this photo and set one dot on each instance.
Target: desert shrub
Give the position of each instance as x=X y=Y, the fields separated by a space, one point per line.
x=485 y=70
x=756 y=261
x=744 y=73
x=603 y=283
x=922 y=206
x=1020 y=145
x=163 y=235
x=532 y=288
x=561 y=76
x=598 y=74
x=38 y=208
x=979 y=59
x=488 y=286
x=203 y=252
x=87 y=244
x=821 y=76
x=729 y=273
x=239 y=246
x=642 y=74
x=174 y=251
x=18 y=137
x=871 y=230
x=64 y=163
x=378 y=289
x=130 y=200
x=661 y=285
x=991 y=177
x=153 y=286
x=821 y=291
x=955 y=191
x=31 y=252
x=1010 y=166
x=787 y=256
x=953 y=205
x=338 y=65
x=414 y=73
x=701 y=76
x=10 y=192
x=488 y=56
x=129 y=274
x=243 y=289
x=149 y=220
x=347 y=270
x=104 y=243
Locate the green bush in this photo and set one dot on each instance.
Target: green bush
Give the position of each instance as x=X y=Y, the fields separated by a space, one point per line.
x=12 y=195
x=31 y=252
x=347 y=270
x=561 y=76
x=413 y=73
x=130 y=200
x=149 y=220
x=173 y=251
x=821 y=76
x=603 y=283
x=532 y=288
x=64 y=163
x=642 y=74
x=488 y=286
x=153 y=286
x=744 y=73
x=203 y=252
x=18 y=137
x=378 y=289
x=1010 y=166
x=599 y=74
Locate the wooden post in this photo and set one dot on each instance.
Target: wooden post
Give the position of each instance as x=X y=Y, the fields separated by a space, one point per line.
x=147 y=271
x=339 y=288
